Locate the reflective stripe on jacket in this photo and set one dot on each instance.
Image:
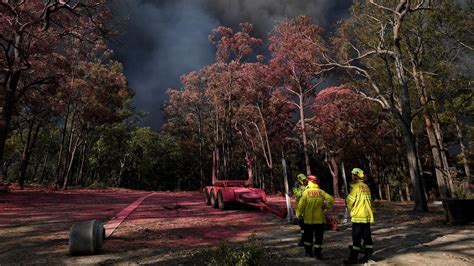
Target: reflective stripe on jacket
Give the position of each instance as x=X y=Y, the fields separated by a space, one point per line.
x=312 y=203
x=359 y=203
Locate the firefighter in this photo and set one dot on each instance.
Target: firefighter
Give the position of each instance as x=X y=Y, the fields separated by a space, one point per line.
x=360 y=208
x=311 y=210
x=298 y=189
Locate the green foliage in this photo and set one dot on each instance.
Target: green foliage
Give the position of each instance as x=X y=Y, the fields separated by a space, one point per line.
x=98 y=185
x=251 y=253
x=462 y=193
x=139 y=158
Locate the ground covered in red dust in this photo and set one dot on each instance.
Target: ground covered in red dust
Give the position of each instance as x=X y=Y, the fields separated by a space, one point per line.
x=173 y=227
x=34 y=223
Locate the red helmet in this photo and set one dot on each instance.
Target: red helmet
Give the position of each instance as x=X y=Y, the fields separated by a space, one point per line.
x=313 y=179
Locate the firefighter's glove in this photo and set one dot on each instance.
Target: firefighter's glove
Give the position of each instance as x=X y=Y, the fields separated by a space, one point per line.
x=300 y=221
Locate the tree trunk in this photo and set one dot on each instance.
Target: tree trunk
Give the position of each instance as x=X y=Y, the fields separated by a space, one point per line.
x=71 y=161
x=201 y=166
x=436 y=153
x=444 y=158
x=68 y=153
x=27 y=150
x=10 y=97
x=400 y=192
x=379 y=185
x=6 y=111
x=81 y=167
x=43 y=170
x=407 y=190
x=412 y=158
x=61 y=149
x=405 y=115
x=435 y=144
x=335 y=176
x=35 y=172
x=420 y=169
x=346 y=186
x=303 y=134
x=25 y=155
x=467 y=169
x=387 y=192
x=267 y=152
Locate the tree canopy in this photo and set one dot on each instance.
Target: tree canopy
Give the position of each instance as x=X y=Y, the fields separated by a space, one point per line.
x=388 y=91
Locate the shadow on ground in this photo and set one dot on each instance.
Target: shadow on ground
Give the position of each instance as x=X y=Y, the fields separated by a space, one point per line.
x=172 y=228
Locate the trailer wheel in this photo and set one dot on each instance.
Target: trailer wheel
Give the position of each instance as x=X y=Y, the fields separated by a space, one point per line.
x=207 y=199
x=213 y=199
x=220 y=201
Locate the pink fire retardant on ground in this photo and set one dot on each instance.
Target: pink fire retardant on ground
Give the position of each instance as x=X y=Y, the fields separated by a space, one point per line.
x=111 y=225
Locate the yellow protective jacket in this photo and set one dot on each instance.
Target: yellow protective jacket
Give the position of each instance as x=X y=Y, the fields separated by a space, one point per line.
x=312 y=203
x=359 y=203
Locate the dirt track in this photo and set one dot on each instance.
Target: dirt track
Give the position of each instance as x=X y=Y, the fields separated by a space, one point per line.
x=169 y=228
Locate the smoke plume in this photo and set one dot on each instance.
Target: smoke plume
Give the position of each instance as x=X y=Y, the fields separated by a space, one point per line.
x=165 y=39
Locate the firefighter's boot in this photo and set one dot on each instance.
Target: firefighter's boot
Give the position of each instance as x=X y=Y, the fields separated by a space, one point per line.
x=353 y=256
x=368 y=251
x=317 y=253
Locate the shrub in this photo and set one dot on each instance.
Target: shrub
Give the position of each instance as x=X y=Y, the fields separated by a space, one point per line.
x=251 y=253
x=462 y=192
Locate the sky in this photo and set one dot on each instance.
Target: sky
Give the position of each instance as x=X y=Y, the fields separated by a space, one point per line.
x=164 y=39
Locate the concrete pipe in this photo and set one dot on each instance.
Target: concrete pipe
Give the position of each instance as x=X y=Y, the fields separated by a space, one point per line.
x=86 y=238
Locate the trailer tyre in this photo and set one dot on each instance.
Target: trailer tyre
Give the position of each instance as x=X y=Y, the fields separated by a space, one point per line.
x=220 y=201
x=213 y=199
x=207 y=199
x=86 y=238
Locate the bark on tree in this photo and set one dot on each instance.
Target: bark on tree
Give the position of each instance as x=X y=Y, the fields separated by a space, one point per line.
x=400 y=192
x=435 y=140
x=7 y=109
x=81 y=167
x=459 y=134
x=379 y=186
x=68 y=152
x=437 y=161
x=71 y=161
x=334 y=169
x=407 y=190
x=61 y=148
x=387 y=191
x=443 y=151
x=27 y=150
x=303 y=132
x=414 y=170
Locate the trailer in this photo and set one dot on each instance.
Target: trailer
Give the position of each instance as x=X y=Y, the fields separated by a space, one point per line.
x=224 y=193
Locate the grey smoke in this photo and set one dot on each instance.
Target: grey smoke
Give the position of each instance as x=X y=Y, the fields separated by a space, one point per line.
x=264 y=13
x=165 y=39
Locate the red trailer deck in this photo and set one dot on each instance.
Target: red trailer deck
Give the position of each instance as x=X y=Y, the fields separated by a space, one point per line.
x=224 y=193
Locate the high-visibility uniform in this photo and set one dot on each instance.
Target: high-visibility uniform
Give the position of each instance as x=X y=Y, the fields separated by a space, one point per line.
x=359 y=203
x=312 y=203
x=311 y=207
x=362 y=215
